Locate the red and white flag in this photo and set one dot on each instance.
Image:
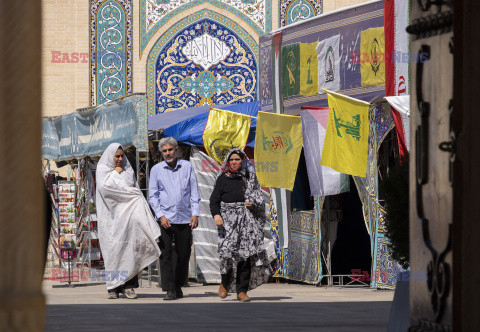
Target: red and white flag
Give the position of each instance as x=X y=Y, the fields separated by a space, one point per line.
x=396 y=16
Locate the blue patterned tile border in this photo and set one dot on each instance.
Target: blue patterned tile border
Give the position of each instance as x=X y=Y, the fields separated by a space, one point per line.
x=111 y=61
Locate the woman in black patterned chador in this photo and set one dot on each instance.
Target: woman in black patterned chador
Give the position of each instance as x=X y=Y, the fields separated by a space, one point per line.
x=238 y=207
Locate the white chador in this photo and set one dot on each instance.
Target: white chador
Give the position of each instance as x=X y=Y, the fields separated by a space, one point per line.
x=126 y=228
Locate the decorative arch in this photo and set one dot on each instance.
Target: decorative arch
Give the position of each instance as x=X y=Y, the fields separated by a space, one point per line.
x=155 y=13
x=206 y=58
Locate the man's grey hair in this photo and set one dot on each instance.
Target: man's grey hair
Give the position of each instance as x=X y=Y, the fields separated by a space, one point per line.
x=167 y=140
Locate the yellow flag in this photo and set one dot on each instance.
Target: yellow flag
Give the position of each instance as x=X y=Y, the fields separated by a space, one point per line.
x=372 y=57
x=346 y=142
x=308 y=69
x=278 y=144
x=224 y=131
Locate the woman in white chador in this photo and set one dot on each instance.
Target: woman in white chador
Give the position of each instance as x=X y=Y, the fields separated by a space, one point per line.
x=126 y=228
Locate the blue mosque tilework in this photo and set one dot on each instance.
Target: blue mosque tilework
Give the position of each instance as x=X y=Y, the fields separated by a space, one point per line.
x=175 y=80
x=292 y=11
x=110 y=50
x=156 y=13
x=206 y=84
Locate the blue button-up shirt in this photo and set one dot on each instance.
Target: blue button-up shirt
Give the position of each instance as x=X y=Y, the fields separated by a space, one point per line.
x=173 y=192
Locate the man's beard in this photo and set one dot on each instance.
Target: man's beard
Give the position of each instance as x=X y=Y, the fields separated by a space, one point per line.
x=169 y=160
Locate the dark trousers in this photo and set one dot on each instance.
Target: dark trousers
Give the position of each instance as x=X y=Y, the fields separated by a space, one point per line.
x=132 y=283
x=243 y=276
x=181 y=234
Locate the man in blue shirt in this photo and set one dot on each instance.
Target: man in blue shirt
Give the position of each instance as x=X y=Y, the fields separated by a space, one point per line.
x=174 y=197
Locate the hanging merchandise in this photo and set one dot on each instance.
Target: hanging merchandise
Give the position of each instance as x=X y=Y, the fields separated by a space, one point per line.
x=323 y=180
x=68 y=226
x=372 y=61
x=397 y=60
x=225 y=130
x=308 y=69
x=278 y=143
x=299 y=69
x=346 y=141
x=290 y=70
x=329 y=64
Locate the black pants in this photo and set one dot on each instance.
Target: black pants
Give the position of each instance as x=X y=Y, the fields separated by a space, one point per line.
x=132 y=283
x=243 y=276
x=182 y=235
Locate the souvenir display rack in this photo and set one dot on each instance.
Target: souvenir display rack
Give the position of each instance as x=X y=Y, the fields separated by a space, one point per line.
x=83 y=244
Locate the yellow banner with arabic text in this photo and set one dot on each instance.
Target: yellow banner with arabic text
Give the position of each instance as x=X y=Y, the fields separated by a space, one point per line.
x=278 y=144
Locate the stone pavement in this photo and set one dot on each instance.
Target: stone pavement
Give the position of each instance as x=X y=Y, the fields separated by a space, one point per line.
x=276 y=306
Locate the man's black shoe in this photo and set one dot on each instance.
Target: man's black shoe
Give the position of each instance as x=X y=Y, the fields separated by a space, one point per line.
x=171 y=295
x=179 y=293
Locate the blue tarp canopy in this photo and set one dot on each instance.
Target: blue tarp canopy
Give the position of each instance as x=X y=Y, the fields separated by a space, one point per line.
x=167 y=119
x=190 y=131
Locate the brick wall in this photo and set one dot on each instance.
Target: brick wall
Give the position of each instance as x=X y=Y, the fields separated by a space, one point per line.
x=329 y=5
x=64 y=30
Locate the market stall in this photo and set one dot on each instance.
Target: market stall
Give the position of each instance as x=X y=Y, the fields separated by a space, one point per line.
x=343 y=52
x=78 y=139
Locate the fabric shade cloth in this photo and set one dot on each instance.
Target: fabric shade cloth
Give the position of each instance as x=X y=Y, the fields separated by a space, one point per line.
x=127 y=229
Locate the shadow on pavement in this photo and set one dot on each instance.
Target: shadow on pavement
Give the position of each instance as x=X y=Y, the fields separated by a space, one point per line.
x=226 y=315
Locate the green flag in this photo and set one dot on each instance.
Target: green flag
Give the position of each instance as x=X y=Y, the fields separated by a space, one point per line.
x=291 y=70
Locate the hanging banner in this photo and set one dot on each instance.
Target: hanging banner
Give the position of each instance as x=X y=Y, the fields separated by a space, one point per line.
x=278 y=144
x=348 y=23
x=346 y=141
x=397 y=59
x=372 y=57
x=224 y=131
x=291 y=70
x=308 y=69
x=329 y=64
x=323 y=180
